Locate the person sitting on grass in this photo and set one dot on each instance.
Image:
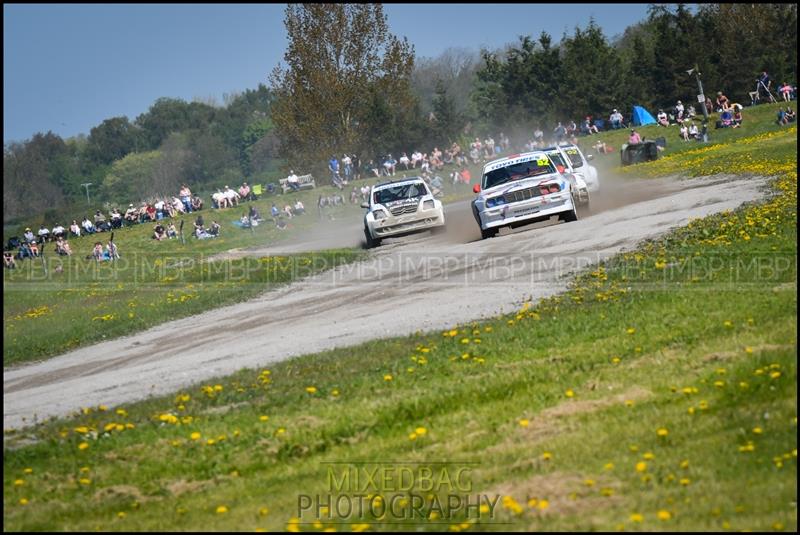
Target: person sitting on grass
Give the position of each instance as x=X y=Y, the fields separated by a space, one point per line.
x=197 y=203
x=75 y=229
x=111 y=250
x=287 y=211
x=88 y=226
x=662 y=118
x=789 y=116
x=214 y=229
x=736 y=122
x=8 y=260
x=159 y=233
x=684 y=135
x=97 y=252
x=172 y=232
x=62 y=247
x=254 y=215
x=280 y=223
x=299 y=209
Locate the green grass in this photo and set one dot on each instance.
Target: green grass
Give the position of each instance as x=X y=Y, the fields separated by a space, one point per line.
x=693 y=334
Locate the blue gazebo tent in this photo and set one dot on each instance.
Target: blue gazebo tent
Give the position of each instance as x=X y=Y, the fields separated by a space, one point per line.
x=642 y=117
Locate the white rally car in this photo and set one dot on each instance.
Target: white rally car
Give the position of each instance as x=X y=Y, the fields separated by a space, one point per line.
x=564 y=165
x=521 y=189
x=400 y=208
x=581 y=166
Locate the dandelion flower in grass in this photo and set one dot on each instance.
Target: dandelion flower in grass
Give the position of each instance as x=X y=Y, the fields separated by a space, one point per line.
x=311 y=389
x=685 y=481
x=263 y=417
x=664 y=515
x=84 y=481
x=662 y=432
x=648 y=456
x=524 y=422
x=23 y=501
x=630 y=330
x=607 y=491
x=221 y=510
x=263 y=511
x=685 y=464
x=569 y=393
x=82 y=430
x=589 y=482
x=636 y=517
x=83 y=445
x=543 y=504
x=420 y=431
x=615 y=360
x=211 y=441
x=28 y=470
x=19 y=482
x=757 y=430
x=532 y=503
x=546 y=456
x=412 y=436
x=775 y=375
x=122 y=514
x=195 y=436
x=641 y=466
x=629 y=403
x=608 y=466
x=748 y=350
x=335 y=392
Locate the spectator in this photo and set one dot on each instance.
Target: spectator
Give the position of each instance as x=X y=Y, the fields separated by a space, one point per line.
x=662 y=118
x=762 y=85
x=280 y=224
x=150 y=212
x=218 y=199
x=737 y=117
x=690 y=112
x=679 y=109
x=116 y=219
x=684 y=131
x=274 y=211
x=88 y=226
x=722 y=102
x=159 y=233
x=175 y=207
x=436 y=186
x=131 y=214
x=112 y=253
x=588 y=126
x=43 y=233
x=28 y=236
x=185 y=195
x=97 y=252
x=231 y=196
x=244 y=192
x=694 y=133
x=197 y=203
x=172 y=232
x=287 y=211
x=75 y=229
x=160 y=211
x=634 y=137
x=538 y=137
x=59 y=231
x=199 y=223
x=8 y=260
x=62 y=247
x=786 y=91
x=299 y=209
x=709 y=106
x=616 y=119
x=559 y=132
x=333 y=167
x=347 y=164
x=356 y=167
x=782 y=117
x=253 y=214
x=790 y=115
x=214 y=229
x=293 y=181
x=389 y=166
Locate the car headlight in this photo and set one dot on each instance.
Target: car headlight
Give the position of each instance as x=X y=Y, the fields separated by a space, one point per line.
x=379 y=214
x=427 y=205
x=495 y=201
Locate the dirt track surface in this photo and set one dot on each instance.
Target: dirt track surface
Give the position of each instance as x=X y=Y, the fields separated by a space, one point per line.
x=416 y=283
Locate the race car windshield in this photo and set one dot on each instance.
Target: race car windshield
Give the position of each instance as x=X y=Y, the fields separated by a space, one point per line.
x=399 y=193
x=557 y=159
x=517 y=171
x=574 y=157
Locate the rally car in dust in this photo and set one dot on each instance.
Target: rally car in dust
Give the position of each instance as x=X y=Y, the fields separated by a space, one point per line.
x=581 y=166
x=564 y=165
x=400 y=208
x=521 y=189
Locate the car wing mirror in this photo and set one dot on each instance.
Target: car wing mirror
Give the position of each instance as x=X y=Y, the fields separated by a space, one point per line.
x=590 y=157
x=476 y=188
x=365 y=205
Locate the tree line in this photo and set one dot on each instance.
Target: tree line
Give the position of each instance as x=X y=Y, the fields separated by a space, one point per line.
x=348 y=85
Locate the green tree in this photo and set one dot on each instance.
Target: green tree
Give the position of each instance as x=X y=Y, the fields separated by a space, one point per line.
x=447 y=122
x=338 y=56
x=111 y=140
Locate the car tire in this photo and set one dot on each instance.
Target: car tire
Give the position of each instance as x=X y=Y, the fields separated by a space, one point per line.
x=489 y=232
x=371 y=242
x=569 y=217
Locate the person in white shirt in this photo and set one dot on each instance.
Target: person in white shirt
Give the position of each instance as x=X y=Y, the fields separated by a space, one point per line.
x=679 y=111
x=616 y=120
x=293 y=181
x=232 y=196
x=220 y=201
x=662 y=118
x=299 y=208
x=58 y=230
x=44 y=233
x=405 y=161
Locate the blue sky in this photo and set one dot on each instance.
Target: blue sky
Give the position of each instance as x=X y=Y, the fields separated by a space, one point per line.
x=68 y=67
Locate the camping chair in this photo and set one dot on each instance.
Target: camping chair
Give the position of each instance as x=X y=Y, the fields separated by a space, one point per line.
x=256 y=192
x=600 y=124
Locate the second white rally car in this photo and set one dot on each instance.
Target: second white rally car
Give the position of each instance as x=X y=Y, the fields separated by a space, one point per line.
x=522 y=189
x=400 y=208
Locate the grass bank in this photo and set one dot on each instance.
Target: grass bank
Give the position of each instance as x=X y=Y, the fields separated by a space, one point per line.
x=658 y=393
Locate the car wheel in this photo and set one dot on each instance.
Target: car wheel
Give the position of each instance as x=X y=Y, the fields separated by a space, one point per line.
x=489 y=232
x=371 y=242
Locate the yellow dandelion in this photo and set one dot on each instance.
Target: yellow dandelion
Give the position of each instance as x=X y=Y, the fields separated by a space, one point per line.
x=311 y=389
x=757 y=430
x=387 y=377
x=636 y=517
x=263 y=417
x=195 y=436
x=569 y=393
x=221 y=510
x=664 y=515
x=631 y=330
x=662 y=432
x=83 y=445
x=546 y=456
x=23 y=501
x=19 y=482
x=543 y=504
x=263 y=511
x=420 y=431
x=641 y=466
x=524 y=422
x=685 y=481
